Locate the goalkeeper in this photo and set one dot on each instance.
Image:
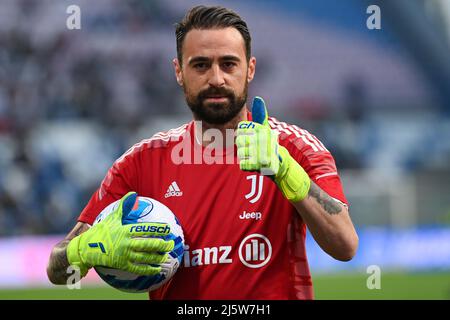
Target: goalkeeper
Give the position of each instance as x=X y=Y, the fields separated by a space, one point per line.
x=244 y=220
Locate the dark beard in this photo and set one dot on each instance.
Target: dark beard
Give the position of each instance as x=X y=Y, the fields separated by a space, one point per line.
x=216 y=113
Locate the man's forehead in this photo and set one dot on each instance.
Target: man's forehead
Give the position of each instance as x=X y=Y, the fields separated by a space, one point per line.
x=217 y=42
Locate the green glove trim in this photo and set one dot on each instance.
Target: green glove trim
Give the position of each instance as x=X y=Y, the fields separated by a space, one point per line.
x=292 y=179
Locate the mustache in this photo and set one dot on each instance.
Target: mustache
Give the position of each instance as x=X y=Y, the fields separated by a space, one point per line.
x=215 y=92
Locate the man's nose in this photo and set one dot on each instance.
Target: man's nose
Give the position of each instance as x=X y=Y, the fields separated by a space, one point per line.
x=216 y=78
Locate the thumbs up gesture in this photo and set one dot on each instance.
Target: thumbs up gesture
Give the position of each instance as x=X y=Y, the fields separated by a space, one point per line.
x=257 y=144
x=258 y=150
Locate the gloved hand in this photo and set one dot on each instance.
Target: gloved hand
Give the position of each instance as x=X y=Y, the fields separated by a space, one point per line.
x=111 y=244
x=258 y=150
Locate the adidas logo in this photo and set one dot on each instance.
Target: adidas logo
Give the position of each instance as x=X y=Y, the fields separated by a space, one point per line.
x=173 y=191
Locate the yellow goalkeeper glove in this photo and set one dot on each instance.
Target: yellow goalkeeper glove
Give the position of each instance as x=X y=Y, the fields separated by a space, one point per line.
x=111 y=244
x=258 y=150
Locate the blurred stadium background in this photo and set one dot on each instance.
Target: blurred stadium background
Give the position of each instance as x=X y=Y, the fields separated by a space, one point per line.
x=72 y=101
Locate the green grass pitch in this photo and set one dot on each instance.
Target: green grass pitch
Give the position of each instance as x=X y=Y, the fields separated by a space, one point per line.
x=339 y=286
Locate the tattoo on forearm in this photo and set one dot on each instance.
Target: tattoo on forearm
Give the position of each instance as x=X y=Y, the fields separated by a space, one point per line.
x=327 y=203
x=57 y=268
x=59 y=264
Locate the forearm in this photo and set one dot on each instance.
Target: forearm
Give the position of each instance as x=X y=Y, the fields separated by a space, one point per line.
x=58 y=264
x=329 y=223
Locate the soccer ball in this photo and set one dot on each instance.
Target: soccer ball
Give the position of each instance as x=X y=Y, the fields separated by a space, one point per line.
x=148 y=210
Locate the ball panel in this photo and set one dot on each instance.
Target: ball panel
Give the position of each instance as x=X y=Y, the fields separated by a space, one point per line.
x=120 y=280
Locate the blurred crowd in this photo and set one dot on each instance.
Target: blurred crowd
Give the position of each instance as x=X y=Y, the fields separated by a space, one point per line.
x=71 y=103
x=67 y=110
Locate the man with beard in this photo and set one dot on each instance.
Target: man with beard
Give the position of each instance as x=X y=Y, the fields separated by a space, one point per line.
x=244 y=222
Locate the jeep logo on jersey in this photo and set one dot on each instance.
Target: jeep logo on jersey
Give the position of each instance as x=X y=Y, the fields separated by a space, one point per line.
x=256 y=188
x=250 y=215
x=255 y=251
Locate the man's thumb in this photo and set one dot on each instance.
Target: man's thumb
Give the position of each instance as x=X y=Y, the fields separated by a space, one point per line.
x=259 y=111
x=126 y=204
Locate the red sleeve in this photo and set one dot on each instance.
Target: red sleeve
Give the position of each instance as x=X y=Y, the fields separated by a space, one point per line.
x=317 y=161
x=119 y=180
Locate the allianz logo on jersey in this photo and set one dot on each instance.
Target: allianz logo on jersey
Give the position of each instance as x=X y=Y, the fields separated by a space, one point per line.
x=173 y=190
x=255 y=251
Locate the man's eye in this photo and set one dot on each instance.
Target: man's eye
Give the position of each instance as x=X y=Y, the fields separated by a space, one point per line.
x=200 y=65
x=229 y=65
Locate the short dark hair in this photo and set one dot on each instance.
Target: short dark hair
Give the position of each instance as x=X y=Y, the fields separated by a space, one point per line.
x=212 y=17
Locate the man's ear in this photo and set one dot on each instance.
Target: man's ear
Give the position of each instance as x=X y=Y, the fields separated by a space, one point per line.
x=251 y=69
x=178 y=71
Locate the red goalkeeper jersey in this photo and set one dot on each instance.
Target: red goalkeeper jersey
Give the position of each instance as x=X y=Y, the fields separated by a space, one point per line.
x=243 y=239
